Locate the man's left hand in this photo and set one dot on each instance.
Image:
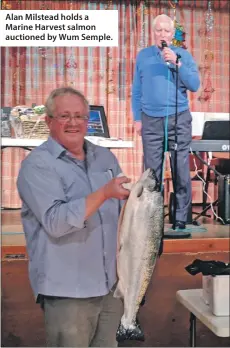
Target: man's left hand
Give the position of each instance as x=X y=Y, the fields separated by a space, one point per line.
x=169 y=56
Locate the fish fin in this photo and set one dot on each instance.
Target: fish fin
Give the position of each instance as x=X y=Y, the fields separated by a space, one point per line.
x=142 y=301
x=133 y=333
x=118 y=293
x=139 y=188
x=161 y=248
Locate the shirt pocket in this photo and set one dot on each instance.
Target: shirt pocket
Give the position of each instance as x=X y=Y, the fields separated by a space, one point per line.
x=100 y=178
x=110 y=208
x=75 y=185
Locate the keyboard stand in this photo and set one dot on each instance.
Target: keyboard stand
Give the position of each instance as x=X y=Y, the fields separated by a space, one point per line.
x=194 y=221
x=206 y=207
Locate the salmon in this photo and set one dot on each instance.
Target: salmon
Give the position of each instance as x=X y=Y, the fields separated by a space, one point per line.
x=140 y=242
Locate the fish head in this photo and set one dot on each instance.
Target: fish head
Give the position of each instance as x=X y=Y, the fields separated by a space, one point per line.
x=149 y=181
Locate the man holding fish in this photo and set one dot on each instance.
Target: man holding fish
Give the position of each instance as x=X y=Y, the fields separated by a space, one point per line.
x=71 y=196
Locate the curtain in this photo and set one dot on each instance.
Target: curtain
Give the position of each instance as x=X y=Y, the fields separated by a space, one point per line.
x=105 y=75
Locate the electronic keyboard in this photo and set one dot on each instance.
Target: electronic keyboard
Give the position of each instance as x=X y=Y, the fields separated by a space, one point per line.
x=210 y=145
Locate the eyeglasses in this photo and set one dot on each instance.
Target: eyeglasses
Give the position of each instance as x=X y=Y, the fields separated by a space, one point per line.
x=67 y=118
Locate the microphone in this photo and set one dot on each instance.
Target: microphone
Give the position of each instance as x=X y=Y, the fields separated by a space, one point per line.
x=163 y=45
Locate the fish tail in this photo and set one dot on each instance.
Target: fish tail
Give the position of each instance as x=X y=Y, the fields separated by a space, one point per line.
x=133 y=332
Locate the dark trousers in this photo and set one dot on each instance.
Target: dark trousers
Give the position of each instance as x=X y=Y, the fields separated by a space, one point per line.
x=153 y=132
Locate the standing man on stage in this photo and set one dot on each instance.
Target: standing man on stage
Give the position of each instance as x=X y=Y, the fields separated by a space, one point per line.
x=154 y=102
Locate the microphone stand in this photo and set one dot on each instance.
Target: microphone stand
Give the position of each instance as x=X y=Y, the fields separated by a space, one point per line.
x=175 y=149
x=177 y=234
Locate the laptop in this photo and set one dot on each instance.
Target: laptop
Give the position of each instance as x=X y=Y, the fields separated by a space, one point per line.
x=216 y=130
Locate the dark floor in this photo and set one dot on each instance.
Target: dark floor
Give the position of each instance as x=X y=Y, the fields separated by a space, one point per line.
x=165 y=322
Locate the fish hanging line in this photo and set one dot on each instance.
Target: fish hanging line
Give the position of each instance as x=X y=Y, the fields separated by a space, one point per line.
x=165 y=134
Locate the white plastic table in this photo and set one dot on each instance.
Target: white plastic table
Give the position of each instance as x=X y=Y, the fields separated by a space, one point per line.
x=30 y=143
x=193 y=301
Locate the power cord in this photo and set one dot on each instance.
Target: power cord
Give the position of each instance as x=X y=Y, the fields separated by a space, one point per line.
x=204 y=183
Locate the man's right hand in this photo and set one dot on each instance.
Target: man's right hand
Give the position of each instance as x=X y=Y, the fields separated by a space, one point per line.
x=115 y=189
x=138 y=127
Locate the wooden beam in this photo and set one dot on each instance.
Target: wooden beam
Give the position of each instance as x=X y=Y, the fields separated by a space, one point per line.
x=171 y=246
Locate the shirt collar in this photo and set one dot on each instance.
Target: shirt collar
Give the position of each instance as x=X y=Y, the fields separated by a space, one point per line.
x=54 y=147
x=57 y=149
x=89 y=150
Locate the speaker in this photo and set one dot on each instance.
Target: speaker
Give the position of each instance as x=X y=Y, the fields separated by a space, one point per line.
x=224 y=198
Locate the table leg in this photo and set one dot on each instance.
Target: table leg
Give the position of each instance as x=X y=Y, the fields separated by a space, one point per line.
x=192 y=330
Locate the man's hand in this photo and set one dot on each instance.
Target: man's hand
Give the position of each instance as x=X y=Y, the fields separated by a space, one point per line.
x=170 y=56
x=115 y=189
x=138 y=127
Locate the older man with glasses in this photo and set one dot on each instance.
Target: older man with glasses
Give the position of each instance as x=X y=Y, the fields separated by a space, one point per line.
x=71 y=199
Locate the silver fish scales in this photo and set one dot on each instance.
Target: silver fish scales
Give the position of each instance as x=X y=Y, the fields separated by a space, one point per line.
x=140 y=242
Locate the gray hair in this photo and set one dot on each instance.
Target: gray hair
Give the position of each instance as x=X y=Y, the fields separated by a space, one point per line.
x=49 y=105
x=164 y=17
